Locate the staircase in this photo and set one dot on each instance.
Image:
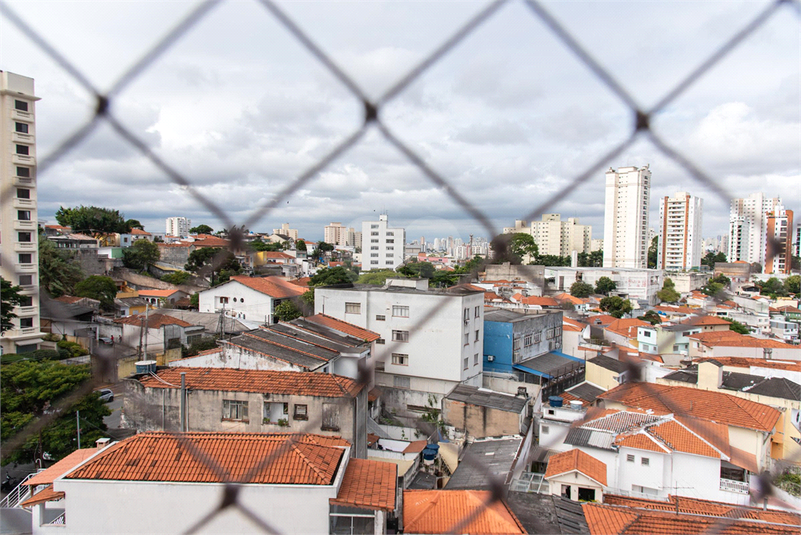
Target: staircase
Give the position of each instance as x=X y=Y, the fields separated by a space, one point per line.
x=21 y=493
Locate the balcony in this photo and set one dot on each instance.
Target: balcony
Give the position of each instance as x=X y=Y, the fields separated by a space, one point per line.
x=730 y=485
x=19 y=137
x=24 y=225
x=24 y=203
x=25 y=268
x=23 y=181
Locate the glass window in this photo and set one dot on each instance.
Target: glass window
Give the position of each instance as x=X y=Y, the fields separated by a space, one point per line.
x=400 y=359
x=22 y=128
x=400 y=311
x=478 y=335
x=466 y=361
x=353 y=308
x=380 y=317
x=25 y=280
x=400 y=336
x=25 y=301
x=301 y=412
x=24 y=237
x=24 y=172
x=23 y=193
x=478 y=311
x=26 y=323
x=20 y=105
x=475 y=359
x=24 y=215
x=25 y=258
x=645 y=461
x=23 y=150
x=235 y=410
x=630 y=458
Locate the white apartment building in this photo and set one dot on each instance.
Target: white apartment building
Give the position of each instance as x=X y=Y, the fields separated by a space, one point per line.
x=178 y=226
x=680 y=239
x=628 y=192
x=748 y=227
x=286 y=231
x=431 y=340
x=18 y=218
x=554 y=236
x=338 y=234
x=383 y=247
x=778 y=258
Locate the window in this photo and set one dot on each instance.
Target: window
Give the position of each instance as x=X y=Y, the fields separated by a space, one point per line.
x=400 y=359
x=301 y=412
x=390 y=248
x=380 y=317
x=22 y=128
x=645 y=461
x=223 y=300
x=374 y=234
x=466 y=362
x=330 y=417
x=373 y=226
x=528 y=340
x=25 y=258
x=373 y=255
x=466 y=315
x=478 y=311
x=234 y=299
x=235 y=410
x=630 y=458
x=400 y=336
x=374 y=248
x=374 y=240
x=402 y=382
x=390 y=233
x=544 y=430
x=24 y=150
x=24 y=215
x=400 y=311
x=25 y=280
x=23 y=193
x=478 y=336
x=466 y=338
x=24 y=237
x=390 y=262
x=20 y=105
x=475 y=359
x=380 y=341
x=275 y=412
x=373 y=261
x=390 y=241
x=353 y=308
x=25 y=301
x=537 y=338
x=24 y=172
x=390 y=255
x=26 y=323
x=516 y=344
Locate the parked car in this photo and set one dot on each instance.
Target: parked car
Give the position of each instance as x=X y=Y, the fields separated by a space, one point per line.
x=106 y=395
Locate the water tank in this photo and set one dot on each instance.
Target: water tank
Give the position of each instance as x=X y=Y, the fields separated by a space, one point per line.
x=575 y=405
x=145 y=366
x=430 y=452
x=555 y=401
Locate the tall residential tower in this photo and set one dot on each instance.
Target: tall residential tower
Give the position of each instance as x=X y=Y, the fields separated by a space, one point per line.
x=19 y=263
x=679 y=232
x=748 y=227
x=382 y=246
x=628 y=191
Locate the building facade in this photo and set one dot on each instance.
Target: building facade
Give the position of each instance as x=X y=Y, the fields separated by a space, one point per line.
x=628 y=192
x=18 y=218
x=338 y=234
x=291 y=233
x=554 y=236
x=778 y=255
x=748 y=227
x=178 y=226
x=382 y=245
x=680 y=239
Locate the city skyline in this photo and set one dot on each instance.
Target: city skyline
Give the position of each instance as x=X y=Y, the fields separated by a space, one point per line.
x=508 y=137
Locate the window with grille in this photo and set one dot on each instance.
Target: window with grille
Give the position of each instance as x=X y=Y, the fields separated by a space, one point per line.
x=400 y=359
x=353 y=308
x=235 y=410
x=400 y=336
x=400 y=311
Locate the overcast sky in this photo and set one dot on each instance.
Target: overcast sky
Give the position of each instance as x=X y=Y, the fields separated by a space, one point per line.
x=508 y=117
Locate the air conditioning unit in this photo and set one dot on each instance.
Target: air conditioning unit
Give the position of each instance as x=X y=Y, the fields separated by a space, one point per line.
x=490 y=358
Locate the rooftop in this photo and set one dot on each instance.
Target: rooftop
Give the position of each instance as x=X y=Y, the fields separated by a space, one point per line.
x=490 y=457
x=154 y=321
x=46 y=477
x=472 y=395
x=368 y=485
x=733 y=339
x=442 y=511
x=259 y=381
x=627 y=327
x=344 y=327
x=275 y=287
x=158 y=293
x=576 y=460
x=609 y=363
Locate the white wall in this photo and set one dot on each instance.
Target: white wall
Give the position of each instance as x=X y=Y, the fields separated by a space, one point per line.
x=243 y=302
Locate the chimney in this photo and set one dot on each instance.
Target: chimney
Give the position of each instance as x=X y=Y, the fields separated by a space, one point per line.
x=710 y=375
x=101 y=443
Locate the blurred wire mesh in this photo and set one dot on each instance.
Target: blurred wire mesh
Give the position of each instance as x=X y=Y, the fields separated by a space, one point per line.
x=641 y=128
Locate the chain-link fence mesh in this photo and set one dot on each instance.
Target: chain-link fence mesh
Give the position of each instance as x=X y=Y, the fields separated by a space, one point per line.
x=641 y=129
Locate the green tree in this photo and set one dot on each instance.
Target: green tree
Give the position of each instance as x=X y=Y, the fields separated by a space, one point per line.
x=424 y=270
x=668 y=293
x=521 y=244
x=772 y=286
x=177 y=277
x=92 y=219
x=58 y=271
x=604 y=285
x=552 y=260
x=738 y=327
x=287 y=310
x=28 y=389
x=134 y=223
x=308 y=300
x=259 y=245
x=581 y=289
x=792 y=284
x=443 y=279
x=98 y=287
x=300 y=245
x=201 y=229
x=711 y=258
x=651 y=317
x=616 y=306
x=141 y=255
x=721 y=279
x=377 y=277
x=652 y=252
x=9 y=298
x=331 y=276
x=194 y=301
x=712 y=289
x=211 y=261
x=591 y=259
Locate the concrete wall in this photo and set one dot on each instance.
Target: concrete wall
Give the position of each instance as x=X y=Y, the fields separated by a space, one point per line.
x=574 y=480
x=600 y=376
x=507 y=271
x=481 y=422
x=243 y=302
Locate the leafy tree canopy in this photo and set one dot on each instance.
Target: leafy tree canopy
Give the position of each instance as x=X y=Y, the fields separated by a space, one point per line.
x=300 y=245
x=474 y=265
x=793 y=284
x=423 y=270
x=377 y=277
x=772 y=286
x=98 y=287
x=287 y=310
x=201 y=229
x=331 y=276
x=522 y=244
x=10 y=299
x=140 y=255
x=604 y=285
x=651 y=317
x=28 y=389
x=134 y=223
x=58 y=272
x=592 y=259
x=668 y=293
x=721 y=279
x=712 y=288
x=177 y=277
x=653 y=250
x=738 y=327
x=581 y=289
x=93 y=220
x=616 y=306
x=259 y=245
x=552 y=260
x=712 y=258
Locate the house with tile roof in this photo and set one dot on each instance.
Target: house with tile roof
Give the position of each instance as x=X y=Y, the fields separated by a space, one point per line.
x=258 y=401
x=159 y=298
x=576 y=476
x=752 y=426
x=249 y=298
x=732 y=344
x=461 y=511
x=294 y=483
x=157 y=332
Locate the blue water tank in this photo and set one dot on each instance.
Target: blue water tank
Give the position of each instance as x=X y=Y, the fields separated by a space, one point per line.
x=430 y=452
x=555 y=401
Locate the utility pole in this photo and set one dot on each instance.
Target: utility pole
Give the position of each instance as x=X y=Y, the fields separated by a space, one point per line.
x=78 y=426
x=147 y=310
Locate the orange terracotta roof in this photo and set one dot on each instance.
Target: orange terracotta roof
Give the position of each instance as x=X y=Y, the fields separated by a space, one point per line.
x=739 y=340
x=368 y=485
x=577 y=460
x=440 y=511
x=747 y=362
x=177 y=244
x=275 y=254
x=566 y=297
x=491 y=296
x=261 y=381
x=160 y=456
x=273 y=286
x=47 y=476
x=204 y=240
x=154 y=321
x=675 y=310
x=704 y=321
x=605 y=519
x=574 y=323
x=540 y=301
x=344 y=327
x=303 y=282
x=680 y=438
x=69 y=299
x=703 y=404
x=601 y=319
x=139 y=232
x=157 y=293
x=640 y=441
x=627 y=327
x=568 y=397
x=45 y=495
x=416 y=446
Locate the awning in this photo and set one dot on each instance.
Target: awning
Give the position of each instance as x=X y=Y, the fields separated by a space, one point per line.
x=46 y=495
x=745 y=460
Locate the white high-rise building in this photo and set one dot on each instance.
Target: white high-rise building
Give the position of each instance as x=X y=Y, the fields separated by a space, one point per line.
x=628 y=192
x=19 y=235
x=178 y=226
x=679 y=230
x=748 y=227
x=383 y=247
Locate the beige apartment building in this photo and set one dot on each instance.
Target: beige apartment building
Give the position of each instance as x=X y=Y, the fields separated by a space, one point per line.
x=628 y=192
x=680 y=238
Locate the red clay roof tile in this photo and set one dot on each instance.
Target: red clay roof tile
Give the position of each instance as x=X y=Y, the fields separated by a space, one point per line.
x=440 y=511
x=273 y=286
x=344 y=326
x=575 y=459
x=368 y=485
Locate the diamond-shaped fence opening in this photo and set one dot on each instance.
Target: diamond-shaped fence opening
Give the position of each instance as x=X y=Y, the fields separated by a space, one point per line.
x=641 y=128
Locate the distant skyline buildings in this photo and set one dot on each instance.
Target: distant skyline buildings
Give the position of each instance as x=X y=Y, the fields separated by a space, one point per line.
x=748 y=227
x=627 y=202
x=178 y=226
x=680 y=236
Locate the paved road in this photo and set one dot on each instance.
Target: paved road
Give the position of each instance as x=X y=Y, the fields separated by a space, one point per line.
x=113 y=421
